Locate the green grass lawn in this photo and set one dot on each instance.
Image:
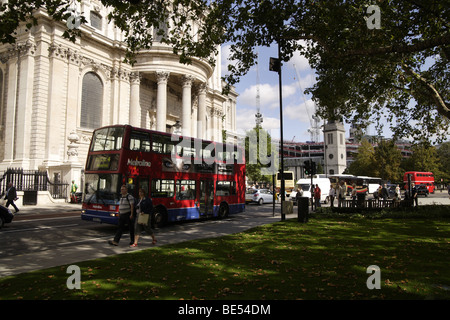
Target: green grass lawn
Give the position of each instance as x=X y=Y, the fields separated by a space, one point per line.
x=324 y=259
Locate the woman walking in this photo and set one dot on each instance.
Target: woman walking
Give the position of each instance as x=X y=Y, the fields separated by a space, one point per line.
x=144 y=211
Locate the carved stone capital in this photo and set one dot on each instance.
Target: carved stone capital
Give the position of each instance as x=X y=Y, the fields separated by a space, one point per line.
x=162 y=76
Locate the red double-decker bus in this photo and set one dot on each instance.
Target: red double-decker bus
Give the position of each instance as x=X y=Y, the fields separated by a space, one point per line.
x=186 y=178
x=425 y=178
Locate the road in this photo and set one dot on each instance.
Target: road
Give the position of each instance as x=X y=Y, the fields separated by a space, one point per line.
x=40 y=239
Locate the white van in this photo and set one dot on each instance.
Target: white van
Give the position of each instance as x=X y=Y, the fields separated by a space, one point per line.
x=304 y=184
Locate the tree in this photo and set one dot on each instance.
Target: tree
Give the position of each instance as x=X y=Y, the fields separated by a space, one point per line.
x=261 y=157
x=443 y=153
x=364 y=164
x=387 y=161
x=398 y=72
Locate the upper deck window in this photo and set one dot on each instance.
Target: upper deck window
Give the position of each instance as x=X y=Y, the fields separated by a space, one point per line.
x=107 y=139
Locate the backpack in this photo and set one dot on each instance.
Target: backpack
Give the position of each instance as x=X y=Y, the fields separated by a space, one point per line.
x=134 y=205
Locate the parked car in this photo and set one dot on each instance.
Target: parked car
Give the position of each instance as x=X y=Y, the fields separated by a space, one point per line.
x=259 y=196
x=6 y=216
x=422 y=190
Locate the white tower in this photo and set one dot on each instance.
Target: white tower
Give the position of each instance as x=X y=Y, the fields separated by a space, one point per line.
x=335 y=148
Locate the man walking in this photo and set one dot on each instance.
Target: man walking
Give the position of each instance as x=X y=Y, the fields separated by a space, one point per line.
x=11 y=196
x=414 y=194
x=126 y=209
x=317 y=195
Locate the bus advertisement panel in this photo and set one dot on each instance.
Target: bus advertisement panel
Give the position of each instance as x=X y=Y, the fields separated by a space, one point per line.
x=364 y=184
x=424 y=178
x=186 y=178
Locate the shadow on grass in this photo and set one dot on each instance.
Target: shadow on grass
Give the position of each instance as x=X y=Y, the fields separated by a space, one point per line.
x=324 y=259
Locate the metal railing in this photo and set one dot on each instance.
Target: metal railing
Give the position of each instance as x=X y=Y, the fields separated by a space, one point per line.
x=32 y=180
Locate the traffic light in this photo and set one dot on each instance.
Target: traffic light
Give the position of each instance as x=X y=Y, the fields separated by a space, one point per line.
x=274 y=64
x=307 y=168
x=313 y=168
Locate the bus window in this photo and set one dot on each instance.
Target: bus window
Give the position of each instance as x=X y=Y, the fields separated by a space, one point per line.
x=140 y=141
x=186 y=190
x=107 y=139
x=162 y=188
x=163 y=144
x=225 y=188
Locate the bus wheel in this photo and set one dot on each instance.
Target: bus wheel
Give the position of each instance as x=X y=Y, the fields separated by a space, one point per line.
x=159 y=218
x=223 y=211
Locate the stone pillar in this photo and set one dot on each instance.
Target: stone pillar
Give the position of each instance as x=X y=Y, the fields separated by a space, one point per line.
x=135 y=109
x=201 y=114
x=186 y=105
x=161 y=101
x=24 y=105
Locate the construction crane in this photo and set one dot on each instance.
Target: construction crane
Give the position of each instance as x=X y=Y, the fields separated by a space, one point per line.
x=314 y=130
x=258 y=115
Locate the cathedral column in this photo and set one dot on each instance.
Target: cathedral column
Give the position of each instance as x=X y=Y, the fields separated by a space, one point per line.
x=201 y=114
x=24 y=104
x=135 y=109
x=186 y=105
x=161 y=100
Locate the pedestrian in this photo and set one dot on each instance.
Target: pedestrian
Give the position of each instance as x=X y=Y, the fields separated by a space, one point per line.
x=298 y=195
x=384 y=194
x=398 y=193
x=126 y=208
x=353 y=195
x=414 y=194
x=73 y=191
x=143 y=207
x=332 y=194
x=11 y=196
x=317 y=194
x=341 y=194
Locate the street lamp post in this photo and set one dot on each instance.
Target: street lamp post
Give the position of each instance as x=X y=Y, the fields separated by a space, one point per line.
x=275 y=65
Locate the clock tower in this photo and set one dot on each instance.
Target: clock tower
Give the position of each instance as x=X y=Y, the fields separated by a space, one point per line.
x=335 y=148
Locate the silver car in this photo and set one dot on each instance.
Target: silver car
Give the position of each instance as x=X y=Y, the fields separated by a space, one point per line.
x=259 y=196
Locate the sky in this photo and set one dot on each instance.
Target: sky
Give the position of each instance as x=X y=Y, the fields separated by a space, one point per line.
x=298 y=108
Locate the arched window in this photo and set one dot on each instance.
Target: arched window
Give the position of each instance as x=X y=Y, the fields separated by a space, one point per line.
x=91 y=101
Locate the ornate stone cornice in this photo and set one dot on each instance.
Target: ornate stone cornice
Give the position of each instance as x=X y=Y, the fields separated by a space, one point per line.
x=18 y=50
x=75 y=57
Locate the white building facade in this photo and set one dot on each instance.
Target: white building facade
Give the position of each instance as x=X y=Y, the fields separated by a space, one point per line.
x=54 y=93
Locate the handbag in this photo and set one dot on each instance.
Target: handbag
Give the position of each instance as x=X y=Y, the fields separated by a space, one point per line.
x=143 y=218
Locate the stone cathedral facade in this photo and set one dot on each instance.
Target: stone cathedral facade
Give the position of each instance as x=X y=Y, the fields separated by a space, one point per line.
x=54 y=93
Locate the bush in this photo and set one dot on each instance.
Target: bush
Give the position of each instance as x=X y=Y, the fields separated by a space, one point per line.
x=425 y=212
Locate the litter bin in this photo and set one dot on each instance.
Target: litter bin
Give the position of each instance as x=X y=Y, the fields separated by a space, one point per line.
x=303 y=209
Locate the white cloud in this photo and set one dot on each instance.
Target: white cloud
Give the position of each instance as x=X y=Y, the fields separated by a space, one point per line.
x=300 y=62
x=269 y=95
x=245 y=121
x=301 y=112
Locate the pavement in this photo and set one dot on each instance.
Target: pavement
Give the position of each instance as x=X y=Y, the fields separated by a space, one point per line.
x=43 y=211
x=94 y=248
